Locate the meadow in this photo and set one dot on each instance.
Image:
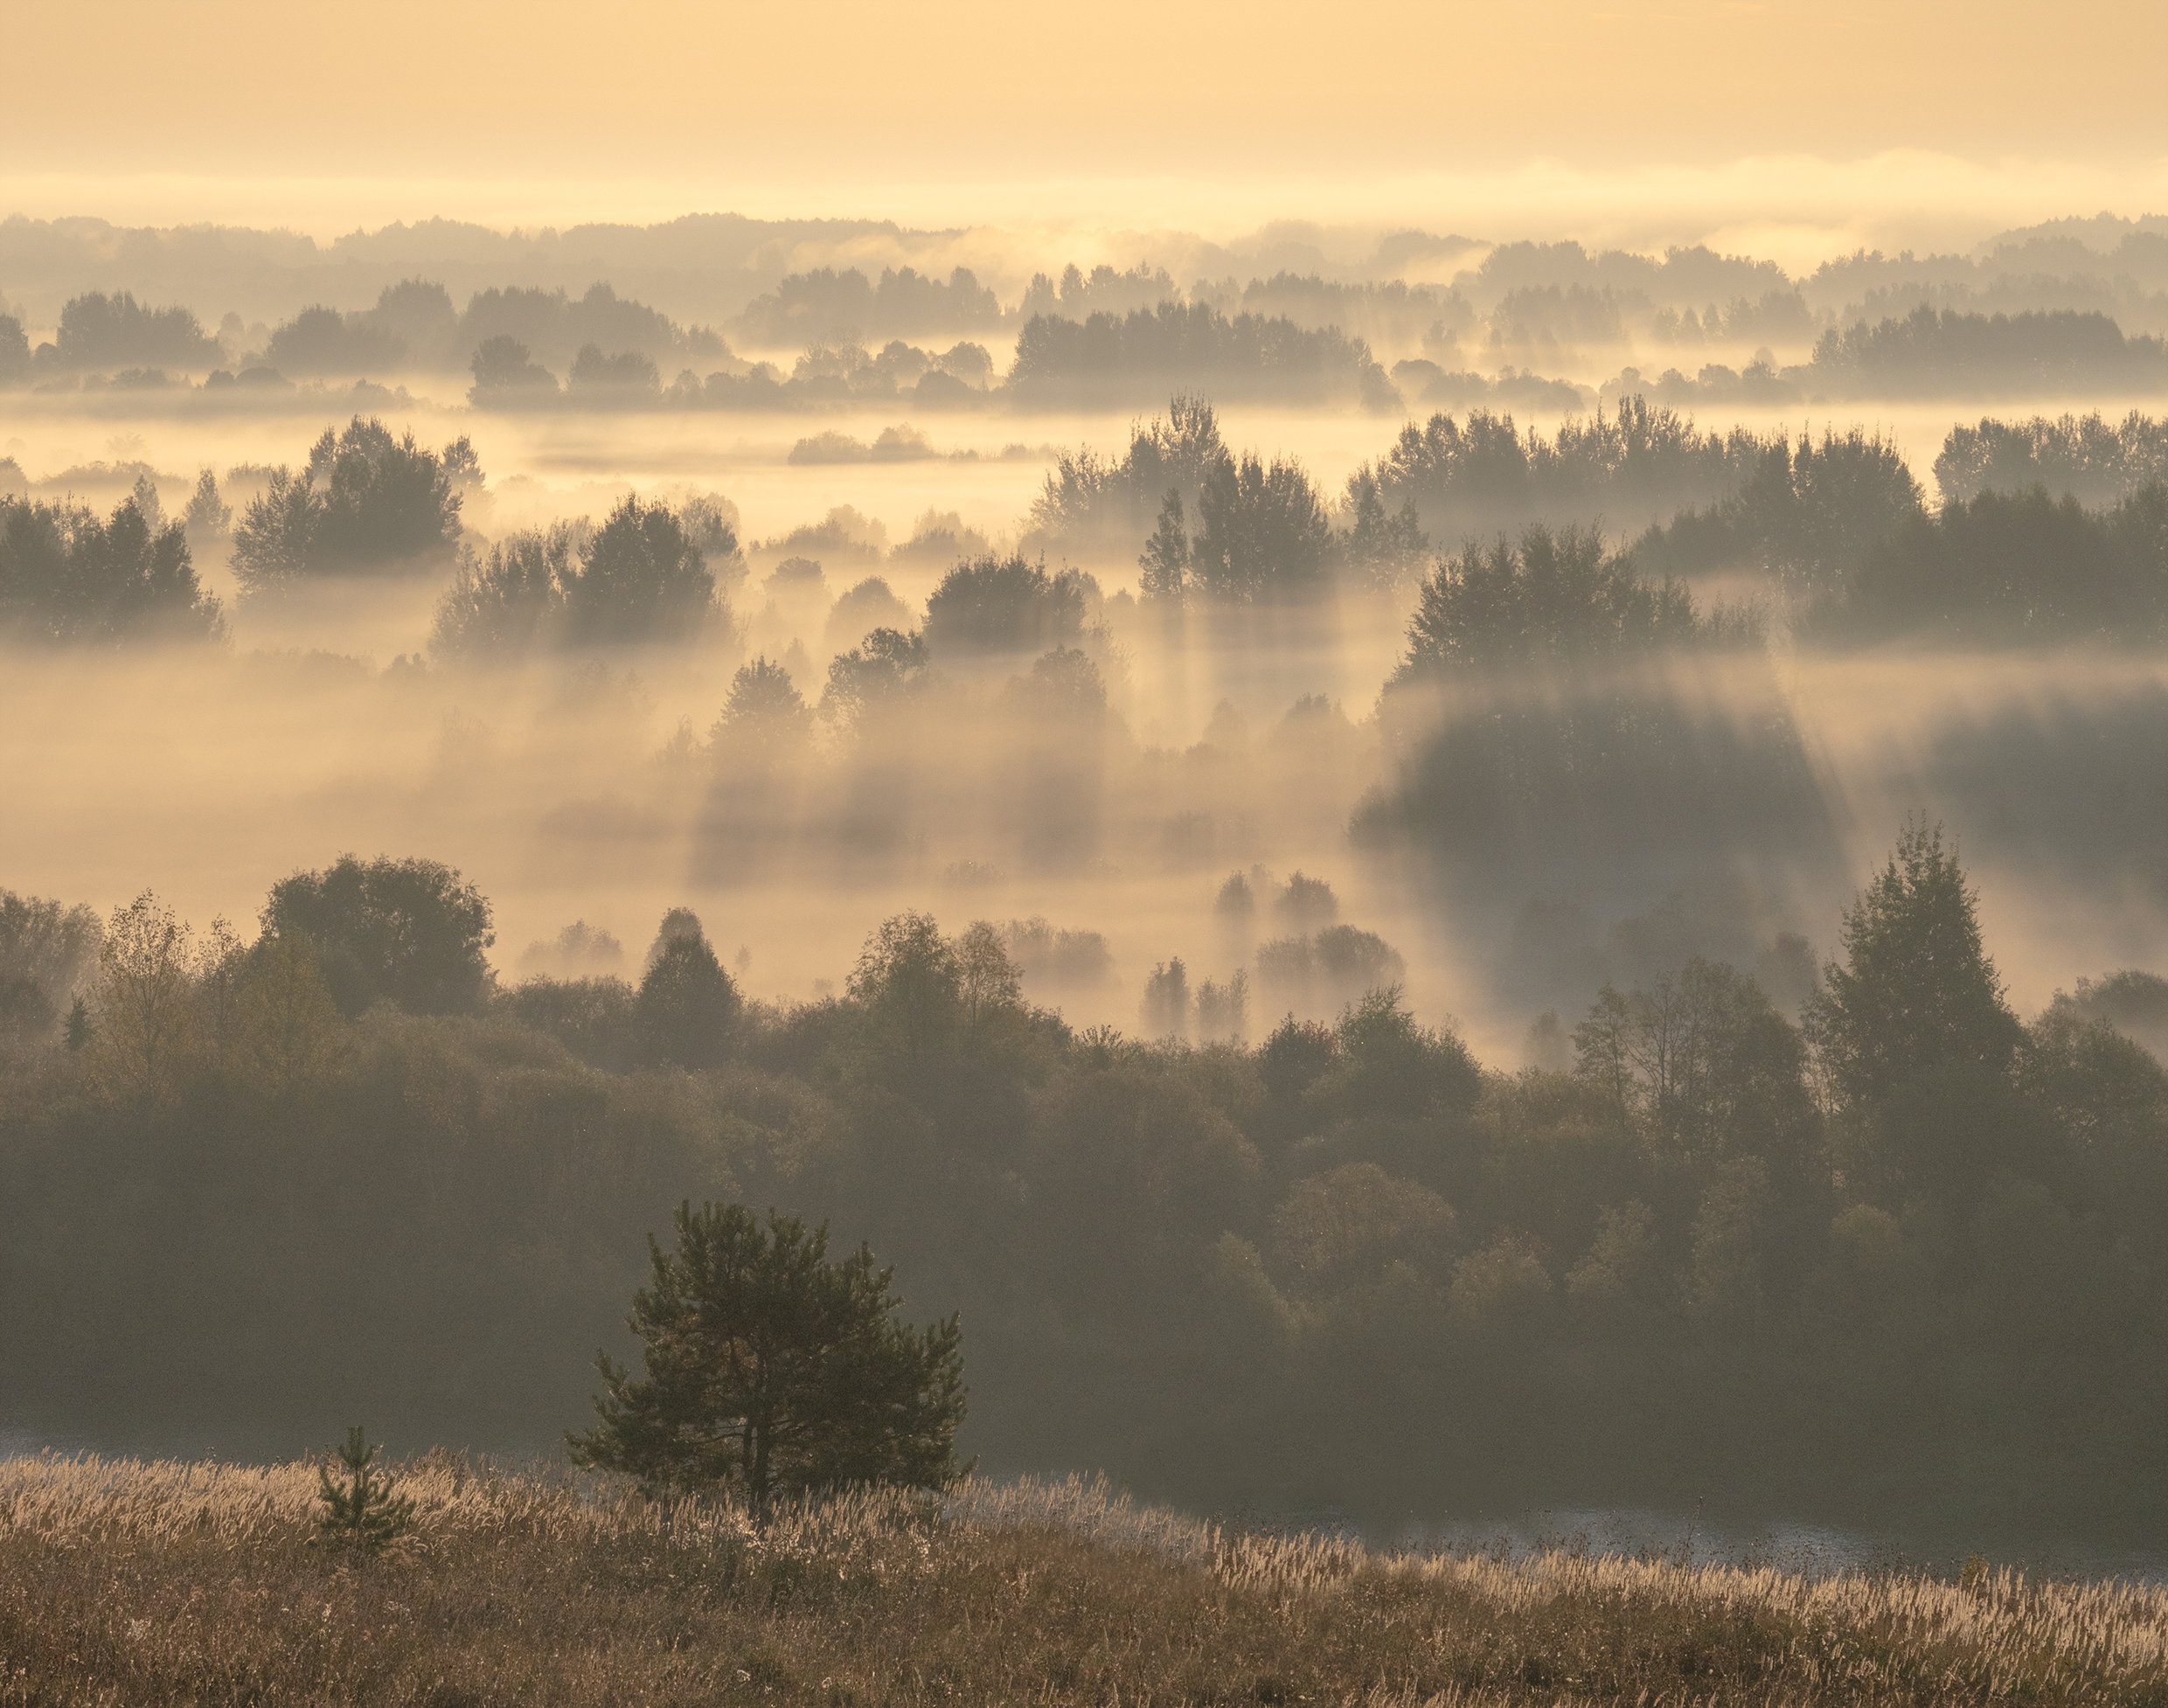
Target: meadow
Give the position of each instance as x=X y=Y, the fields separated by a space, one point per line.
x=126 y=1581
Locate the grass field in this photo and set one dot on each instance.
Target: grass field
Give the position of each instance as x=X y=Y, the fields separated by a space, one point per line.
x=126 y=1582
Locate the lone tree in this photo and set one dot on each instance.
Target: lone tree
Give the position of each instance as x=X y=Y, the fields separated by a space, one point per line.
x=365 y=1510
x=771 y=1370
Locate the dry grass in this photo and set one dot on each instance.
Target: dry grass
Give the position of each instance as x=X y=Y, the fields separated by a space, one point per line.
x=123 y=1582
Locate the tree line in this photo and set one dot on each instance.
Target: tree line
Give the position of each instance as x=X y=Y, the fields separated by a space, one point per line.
x=1932 y=1230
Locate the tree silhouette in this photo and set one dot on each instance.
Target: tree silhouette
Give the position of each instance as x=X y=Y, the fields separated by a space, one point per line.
x=1916 y=989
x=769 y=1369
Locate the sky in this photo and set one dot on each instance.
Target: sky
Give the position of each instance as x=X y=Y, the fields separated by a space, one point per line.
x=1804 y=121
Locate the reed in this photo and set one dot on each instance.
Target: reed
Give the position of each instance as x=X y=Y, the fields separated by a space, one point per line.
x=127 y=1581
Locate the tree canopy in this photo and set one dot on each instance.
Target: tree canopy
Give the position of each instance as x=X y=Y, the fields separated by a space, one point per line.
x=1915 y=990
x=410 y=932
x=67 y=575
x=769 y=1368
x=366 y=503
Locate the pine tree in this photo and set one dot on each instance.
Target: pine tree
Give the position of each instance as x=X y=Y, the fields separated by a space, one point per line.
x=769 y=1368
x=365 y=1511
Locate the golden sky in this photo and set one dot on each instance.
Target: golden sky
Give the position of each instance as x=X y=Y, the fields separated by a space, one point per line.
x=864 y=107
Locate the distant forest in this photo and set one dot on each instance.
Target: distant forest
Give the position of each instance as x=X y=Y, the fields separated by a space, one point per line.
x=2047 y=532
x=1529 y=326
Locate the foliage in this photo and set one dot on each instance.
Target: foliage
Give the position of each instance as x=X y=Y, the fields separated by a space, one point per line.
x=643 y=577
x=2086 y=457
x=1916 y=991
x=687 y=1005
x=499 y=608
x=771 y=1370
x=100 y=331
x=1483 y=1287
x=2051 y=352
x=65 y=576
x=640 y=579
x=1467 y=480
x=1803 y=517
x=1262 y=533
x=366 y=1510
x=47 y=944
x=505 y=371
x=764 y=717
x=2010 y=569
x=879 y=674
x=364 y=504
x=1555 y=600
x=991 y=604
x=410 y=932
x=1107 y=355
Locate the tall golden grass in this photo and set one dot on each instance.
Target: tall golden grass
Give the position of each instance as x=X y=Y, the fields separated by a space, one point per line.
x=129 y=1582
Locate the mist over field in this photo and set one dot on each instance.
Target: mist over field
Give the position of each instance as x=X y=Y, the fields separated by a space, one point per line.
x=1273 y=817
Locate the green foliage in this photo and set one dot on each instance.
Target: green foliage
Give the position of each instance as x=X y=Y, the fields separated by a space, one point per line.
x=410 y=932
x=364 y=1510
x=1190 y=1263
x=770 y=1369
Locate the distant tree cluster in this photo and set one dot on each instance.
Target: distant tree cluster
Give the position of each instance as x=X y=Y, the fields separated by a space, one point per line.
x=990 y=604
x=1557 y=715
x=2009 y=569
x=1553 y=602
x=824 y=305
x=1261 y=534
x=1801 y=516
x=506 y=376
x=642 y=576
x=68 y=575
x=116 y=332
x=1249 y=356
x=364 y=504
x=1948 y=352
x=1473 y=479
x=2087 y=457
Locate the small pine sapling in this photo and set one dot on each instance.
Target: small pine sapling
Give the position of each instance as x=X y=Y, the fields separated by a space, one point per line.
x=364 y=1511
